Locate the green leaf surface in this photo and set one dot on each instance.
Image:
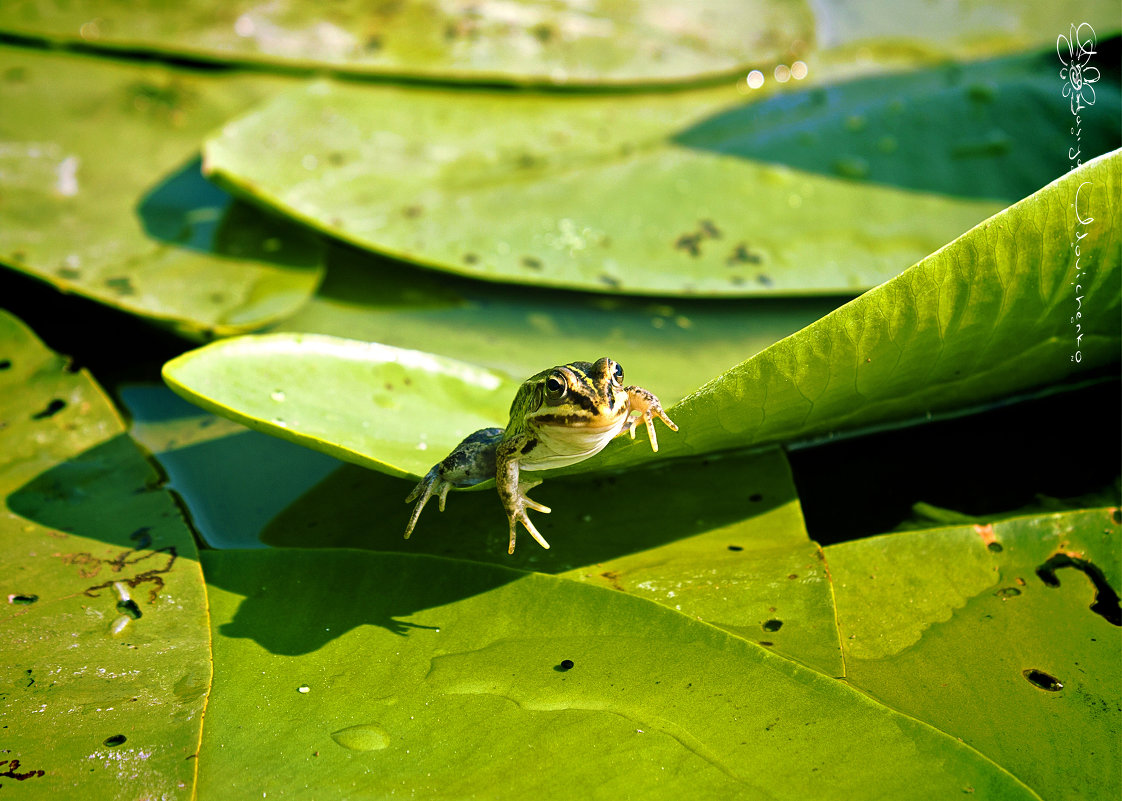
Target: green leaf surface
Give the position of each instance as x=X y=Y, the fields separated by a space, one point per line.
x=590 y=193
x=989 y=315
x=966 y=627
x=103 y=194
x=594 y=43
x=105 y=631
x=364 y=673
x=675 y=346
x=378 y=406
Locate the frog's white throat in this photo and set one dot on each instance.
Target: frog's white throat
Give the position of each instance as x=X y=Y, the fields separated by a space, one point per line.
x=562 y=445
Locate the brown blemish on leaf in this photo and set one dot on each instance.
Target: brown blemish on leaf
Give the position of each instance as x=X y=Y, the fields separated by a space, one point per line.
x=709 y=229
x=13 y=771
x=91 y=566
x=613 y=578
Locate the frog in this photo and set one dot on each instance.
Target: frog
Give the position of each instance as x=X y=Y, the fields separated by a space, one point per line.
x=559 y=417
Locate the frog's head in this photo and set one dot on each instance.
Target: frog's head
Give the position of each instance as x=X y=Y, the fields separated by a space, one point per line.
x=580 y=394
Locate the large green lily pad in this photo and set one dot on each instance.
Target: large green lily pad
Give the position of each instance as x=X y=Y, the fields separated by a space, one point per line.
x=989 y=315
x=106 y=640
x=594 y=43
x=1005 y=635
x=580 y=192
x=103 y=194
x=363 y=674
x=357 y=401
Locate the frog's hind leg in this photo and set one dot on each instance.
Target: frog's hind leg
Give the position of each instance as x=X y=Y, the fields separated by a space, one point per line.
x=471 y=462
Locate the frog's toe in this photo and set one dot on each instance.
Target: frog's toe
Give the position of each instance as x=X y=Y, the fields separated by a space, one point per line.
x=444 y=488
x=525 y=521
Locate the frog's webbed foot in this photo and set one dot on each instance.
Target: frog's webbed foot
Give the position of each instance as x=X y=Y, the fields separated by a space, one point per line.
x=516 y=513
x=470 y=462
x=649 y=407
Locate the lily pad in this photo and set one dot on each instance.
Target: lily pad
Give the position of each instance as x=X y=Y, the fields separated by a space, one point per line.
x=593 y=43
x=361 y=672
x=1004 y=635
x=671 y=346
x=989 y=315
x=107 y=644
x=361 y=402
x=103 y=194
x=591 y=193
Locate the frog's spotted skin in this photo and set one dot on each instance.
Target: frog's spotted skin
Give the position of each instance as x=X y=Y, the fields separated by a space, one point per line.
x=559 y=417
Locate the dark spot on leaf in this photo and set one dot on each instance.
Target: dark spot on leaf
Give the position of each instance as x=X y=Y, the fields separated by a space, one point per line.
x=470 y=258
x=742 y=255
x=1007 y=592
x=122 y=285
x=129 y=608
x=766 y=643
x=773 y=625
x=114 y=741
x=1106 y=601
x=691 y=243
x=764 y=280
x=141 y=536
x=413 y=212
x=543 y=32
x=1045 y=681
x=15 y=74
x=53 y=408
x=609 y=280
x=373 y=44
x=335 y=158
x=69 y=273
x=5 y=364
x=531 y=262
x=708 y=229
x=527 y=161
x=793 y=576
x=736 y=547
x=755 y=497
x=995 y=547
x=737 y=280
x=23 y=599
x=1116 y=516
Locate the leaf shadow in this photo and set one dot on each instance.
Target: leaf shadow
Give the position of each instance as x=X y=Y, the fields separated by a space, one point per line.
x=995 y=129
x=186 y=210
x=594 y=519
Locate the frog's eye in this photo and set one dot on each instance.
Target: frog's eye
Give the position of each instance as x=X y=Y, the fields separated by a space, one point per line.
x=555 y=386
x=617 y=373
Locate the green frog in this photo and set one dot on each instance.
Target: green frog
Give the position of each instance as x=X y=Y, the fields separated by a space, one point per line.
x=559 y=417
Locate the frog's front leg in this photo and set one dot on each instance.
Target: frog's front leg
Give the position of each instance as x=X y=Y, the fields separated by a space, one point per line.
x=649 y=407
x=513 y=489
x=471 y=462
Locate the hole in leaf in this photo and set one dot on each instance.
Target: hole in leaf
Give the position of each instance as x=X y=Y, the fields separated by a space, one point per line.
x=773 y=625
x=114 y=741
x=566 y=664
x=1045 y=681
x=129 y=608
x=23 y=599
x=1106 y=601
x=53 y=408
